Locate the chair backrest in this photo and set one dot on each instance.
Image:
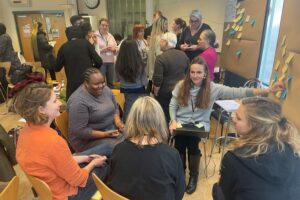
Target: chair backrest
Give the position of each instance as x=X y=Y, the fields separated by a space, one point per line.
x=106 y=192
x=233 y=80
x=6 y=65
x=42 y=189
x=119 y=97
x=62 y=124
x=253 y=83
x=10 y=192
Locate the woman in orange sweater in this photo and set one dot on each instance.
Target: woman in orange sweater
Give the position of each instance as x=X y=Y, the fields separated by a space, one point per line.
x=42 y=153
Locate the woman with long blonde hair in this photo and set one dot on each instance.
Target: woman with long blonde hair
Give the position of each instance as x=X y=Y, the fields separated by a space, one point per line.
x=264 y=163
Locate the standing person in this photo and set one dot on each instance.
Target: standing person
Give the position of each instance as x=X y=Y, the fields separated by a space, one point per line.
x=42 y=153
x=188 y=41
x=131 y=71
x=170 y=67
x=138 y=36
x=148 y=30
x=75 y=20
x=76 y=56
x=107 y=49
x=264 y=162
x=45 y=51
x=207 y=43
x=192 y=103
x=159 y=27
x=177 y=26
x=153 y=167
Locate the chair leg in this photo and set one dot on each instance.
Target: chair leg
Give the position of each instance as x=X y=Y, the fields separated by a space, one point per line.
x=205 y=159
x=220 y=142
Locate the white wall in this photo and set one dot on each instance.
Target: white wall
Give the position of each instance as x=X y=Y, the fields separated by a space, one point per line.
x=99 y=12
x=213 y=12
x=7 y=16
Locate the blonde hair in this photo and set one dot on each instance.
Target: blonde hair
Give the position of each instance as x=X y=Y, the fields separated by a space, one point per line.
x=29 y=99
x=146 y=118
x=268 y=127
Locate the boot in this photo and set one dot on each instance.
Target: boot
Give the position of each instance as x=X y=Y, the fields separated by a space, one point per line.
x=194 y=161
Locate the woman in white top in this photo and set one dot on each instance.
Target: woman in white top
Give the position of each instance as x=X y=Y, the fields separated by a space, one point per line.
x=107 y=47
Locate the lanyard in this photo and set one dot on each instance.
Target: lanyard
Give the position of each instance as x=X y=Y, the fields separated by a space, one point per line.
x=193 y=108
x=104 y=39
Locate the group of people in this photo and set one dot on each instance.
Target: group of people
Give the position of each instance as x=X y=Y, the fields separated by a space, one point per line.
x=141 y=164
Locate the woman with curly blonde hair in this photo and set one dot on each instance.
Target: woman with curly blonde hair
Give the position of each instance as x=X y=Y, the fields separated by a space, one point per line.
x=264 y=163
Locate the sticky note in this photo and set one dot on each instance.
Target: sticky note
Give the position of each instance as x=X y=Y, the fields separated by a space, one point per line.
x=247 y=18
x=242 y=11
x=275 y=76
x=227 y=27
x=199 y=125
x=283 y=94
x=278 y=94
x=283 y=51
x=241 y=22
x=241 y=28
x=233 y=26
x=276 y=65
x=285 y=68
x=252 y=22
x=238 y=53
x=283 y=40
x=228 y=42
x=289 y=58
x=239 y=36
x=282 y=77
x=238 y=18
x=178 y=125
x=237 y=28
x=238 y=5
x=289 y=78
x=232 y=32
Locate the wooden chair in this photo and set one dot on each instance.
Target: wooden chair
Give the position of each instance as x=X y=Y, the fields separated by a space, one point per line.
x=62 y=124
x=10 y=192
x=119 y=97
x=6 y=66
x=42 y=189
x=106 y=192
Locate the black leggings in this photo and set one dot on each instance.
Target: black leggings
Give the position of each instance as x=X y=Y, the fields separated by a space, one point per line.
x=187 y=142
x=52 y=74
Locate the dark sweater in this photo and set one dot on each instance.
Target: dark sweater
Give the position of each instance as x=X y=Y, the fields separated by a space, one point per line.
x=274 y=175
x=148 y=173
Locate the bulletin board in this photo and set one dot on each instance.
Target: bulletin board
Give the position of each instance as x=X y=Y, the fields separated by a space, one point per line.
x=242 y=38
x=287 y=61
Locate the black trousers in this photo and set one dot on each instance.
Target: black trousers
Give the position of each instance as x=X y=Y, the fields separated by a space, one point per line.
x=164 y=101
x=187 y=142
x=52 y=74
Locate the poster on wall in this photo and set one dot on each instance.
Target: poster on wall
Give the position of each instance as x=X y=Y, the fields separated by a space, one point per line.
x=26 y=30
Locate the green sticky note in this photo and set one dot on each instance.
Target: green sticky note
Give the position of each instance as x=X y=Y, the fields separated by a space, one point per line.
x=238 y=53
x=253 y=22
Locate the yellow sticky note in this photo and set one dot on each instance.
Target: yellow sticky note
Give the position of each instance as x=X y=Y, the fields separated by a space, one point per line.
x=199 y=125
x=289 y=58
x=178 y=125
x=283 y=51
x=227 y=27
x=277 y=65
x=282 y=77
x=247 y=18
x=239 y=36
x=237 y=28
x=285 y=68
x=238 y=5
x=278 y=94
x=228 y=42
x=241 y=28
x=233 y=26
x=237 y=18
x=283 y=40
x=243 y=10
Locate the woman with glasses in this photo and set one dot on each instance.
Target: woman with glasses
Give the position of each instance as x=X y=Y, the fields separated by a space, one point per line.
x=189 y=37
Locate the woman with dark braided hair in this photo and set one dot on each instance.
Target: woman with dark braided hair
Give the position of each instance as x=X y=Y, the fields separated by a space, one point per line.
x=93 y=114
x=264 y=162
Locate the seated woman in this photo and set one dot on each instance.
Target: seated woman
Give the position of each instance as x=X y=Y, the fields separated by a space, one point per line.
x=143 y=166
x=207 y=43
x=264 y=163
x=93 y=114
x=42 y=153
x=192 y=102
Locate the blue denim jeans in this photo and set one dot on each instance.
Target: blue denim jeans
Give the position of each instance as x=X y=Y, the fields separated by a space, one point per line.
x=107 y=70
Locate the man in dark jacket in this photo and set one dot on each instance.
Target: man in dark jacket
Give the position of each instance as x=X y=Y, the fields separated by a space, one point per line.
x=76 y=56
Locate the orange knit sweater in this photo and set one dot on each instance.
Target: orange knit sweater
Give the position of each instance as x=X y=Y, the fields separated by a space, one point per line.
x=42 y=153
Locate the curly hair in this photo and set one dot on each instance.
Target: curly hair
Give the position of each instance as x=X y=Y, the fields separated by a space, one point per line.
x=29 y=99
x=268 y=127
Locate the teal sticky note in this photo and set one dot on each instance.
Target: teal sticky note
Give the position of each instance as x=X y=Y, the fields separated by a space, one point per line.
x=238 y=53
x=289 y=78
x=232 y=32
x=253 y=22
x=275 y=77
x=241 y=22
x=283 y=94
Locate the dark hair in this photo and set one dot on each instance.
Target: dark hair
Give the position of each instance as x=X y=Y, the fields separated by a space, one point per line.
x=210 y=38
x=39 y=25
x=75 y=18
x=129 y=62
x=136 y=29
x=85 y=28
x=180 y=22
x=75 y=32
x=2 y=29
x=88 y=72
x=203 y=96
x=118 y=37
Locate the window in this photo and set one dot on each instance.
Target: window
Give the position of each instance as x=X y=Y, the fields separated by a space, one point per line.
x=270 y=41
x=123 y=14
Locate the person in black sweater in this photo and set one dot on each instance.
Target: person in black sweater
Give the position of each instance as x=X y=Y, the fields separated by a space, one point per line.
x=264 y=163
x=144 y=166
x=189 y=38
x=76 y=56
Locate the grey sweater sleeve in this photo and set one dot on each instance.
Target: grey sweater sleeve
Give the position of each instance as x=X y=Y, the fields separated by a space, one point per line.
x=173 y=106
x=78 y=119
x=225 y=92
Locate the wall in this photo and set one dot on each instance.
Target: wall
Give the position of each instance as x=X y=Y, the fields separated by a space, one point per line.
x=99 y=12
x=7 y=17
x=213 y=12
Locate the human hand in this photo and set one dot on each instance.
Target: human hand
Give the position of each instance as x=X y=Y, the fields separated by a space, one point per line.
x=112 y=133
x=172 y=126
x=277 y=86
x=193 y=47
x=99 y=161
x=184 y=46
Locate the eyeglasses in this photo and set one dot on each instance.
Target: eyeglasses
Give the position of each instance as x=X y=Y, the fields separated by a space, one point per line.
x=194 y=21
